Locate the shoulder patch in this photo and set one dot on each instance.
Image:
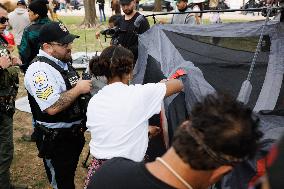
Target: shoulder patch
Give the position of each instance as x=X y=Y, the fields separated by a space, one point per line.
x=43 y=89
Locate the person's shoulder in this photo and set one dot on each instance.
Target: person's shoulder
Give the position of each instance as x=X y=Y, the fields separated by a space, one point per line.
x=188 y=9
x=120 y=161
x=113 y=173
x=147 y=89
x=120 y=19
x=42 y=21
x=153 y=85
x=136 y=15
x=31 y=27
x=40 y=74
x=34 y=67
x=118 y=165
x=38 y=66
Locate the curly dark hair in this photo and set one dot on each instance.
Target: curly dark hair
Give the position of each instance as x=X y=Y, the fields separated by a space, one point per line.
x=113 y=61
x=221 y=131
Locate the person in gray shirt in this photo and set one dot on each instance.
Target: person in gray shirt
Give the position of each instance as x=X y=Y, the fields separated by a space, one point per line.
x=187 y=18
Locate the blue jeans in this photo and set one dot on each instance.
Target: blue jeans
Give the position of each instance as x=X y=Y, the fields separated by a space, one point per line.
x=102 y=12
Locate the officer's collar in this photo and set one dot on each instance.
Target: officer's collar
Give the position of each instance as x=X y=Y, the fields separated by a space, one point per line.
x=58 y=62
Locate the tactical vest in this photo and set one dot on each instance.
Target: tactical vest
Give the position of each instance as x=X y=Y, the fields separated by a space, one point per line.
x=9 y=80
x=73 y=112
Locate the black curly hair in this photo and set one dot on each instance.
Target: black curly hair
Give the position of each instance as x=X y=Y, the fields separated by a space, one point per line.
x=221 y=131
x=113 y=61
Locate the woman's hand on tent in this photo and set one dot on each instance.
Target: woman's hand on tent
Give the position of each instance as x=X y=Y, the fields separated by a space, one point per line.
x=173 y=86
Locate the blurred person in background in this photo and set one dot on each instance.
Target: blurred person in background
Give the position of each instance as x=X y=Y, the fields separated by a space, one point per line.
x=102 y=10
x=29 y=46
x=9 y=83
x=19 y=20
x=188 y=18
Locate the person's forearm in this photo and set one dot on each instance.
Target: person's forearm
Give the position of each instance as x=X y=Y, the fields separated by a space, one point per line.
x=64 y=101
x=173 y=86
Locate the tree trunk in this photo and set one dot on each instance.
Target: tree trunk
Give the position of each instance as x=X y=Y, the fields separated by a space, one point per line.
x=90 y=19
x=158 y=5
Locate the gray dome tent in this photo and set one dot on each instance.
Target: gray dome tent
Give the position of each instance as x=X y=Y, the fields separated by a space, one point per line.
x=217 y=58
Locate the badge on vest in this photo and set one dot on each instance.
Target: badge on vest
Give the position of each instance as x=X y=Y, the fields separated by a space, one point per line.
x=43 y=89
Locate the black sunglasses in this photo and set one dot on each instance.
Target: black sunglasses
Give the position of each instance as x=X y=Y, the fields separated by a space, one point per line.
x=3 y=20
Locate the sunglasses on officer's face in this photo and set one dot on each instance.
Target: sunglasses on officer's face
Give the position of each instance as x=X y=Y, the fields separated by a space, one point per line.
x=3 y=20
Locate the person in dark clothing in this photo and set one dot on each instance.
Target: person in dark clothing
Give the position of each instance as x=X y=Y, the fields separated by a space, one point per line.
x=102 y=10
x=128 y=37
x=220 y=134
x=29 y=46
x=9 y=82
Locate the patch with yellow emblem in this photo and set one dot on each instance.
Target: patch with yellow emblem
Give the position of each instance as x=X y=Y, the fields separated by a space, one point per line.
x=43 y=89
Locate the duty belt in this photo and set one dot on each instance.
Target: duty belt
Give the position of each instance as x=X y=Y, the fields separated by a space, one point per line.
x=52 y=136
x=74 y=130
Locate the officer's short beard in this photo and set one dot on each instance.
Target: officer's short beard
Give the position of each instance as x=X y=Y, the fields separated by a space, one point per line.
x=63 y=58
x=128 y=12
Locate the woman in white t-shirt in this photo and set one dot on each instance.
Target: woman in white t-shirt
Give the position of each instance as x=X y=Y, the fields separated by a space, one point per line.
x=117 y=116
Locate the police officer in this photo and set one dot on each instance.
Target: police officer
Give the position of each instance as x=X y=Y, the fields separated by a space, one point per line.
x=55 y=92
x=8 y=90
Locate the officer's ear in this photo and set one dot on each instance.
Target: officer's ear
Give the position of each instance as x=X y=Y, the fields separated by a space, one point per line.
x=37 y=16
x=46 y=47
